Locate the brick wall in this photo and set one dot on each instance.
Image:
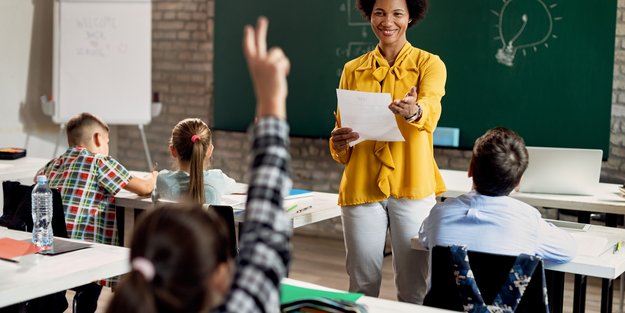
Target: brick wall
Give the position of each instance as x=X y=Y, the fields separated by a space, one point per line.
x=182 y=73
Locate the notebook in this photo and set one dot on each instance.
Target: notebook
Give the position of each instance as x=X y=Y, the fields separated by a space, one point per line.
x=562 y=171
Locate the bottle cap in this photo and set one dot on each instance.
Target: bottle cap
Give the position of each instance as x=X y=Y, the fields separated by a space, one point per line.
x=41 y=179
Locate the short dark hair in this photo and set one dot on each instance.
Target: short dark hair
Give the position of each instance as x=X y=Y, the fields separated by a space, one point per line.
x=79 y=126
x=416 y=9
x=498 y=162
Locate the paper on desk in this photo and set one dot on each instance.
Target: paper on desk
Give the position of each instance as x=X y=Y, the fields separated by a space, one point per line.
x=236 y=201
x=11 y=248
x=591 y=245
x=367 y=114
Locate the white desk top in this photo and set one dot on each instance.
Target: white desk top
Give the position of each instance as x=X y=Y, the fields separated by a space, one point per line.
x=38 y=275
x=374 y=305
x=605 y=200
x=607 y=265
x=324 y=206
x=22 y=168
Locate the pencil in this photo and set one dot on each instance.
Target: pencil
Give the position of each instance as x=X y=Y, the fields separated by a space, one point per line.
x=336 y=119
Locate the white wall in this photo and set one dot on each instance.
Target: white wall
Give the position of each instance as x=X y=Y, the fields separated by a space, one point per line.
x=25 y=74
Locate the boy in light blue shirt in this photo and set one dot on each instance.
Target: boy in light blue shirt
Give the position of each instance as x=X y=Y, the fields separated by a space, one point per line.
x=487 y=219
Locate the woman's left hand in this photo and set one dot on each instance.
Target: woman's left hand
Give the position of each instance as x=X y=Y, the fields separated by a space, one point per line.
x=406 y=107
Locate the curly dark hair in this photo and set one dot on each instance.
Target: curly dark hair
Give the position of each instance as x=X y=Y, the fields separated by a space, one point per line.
x=416 y=9
x=498 y=162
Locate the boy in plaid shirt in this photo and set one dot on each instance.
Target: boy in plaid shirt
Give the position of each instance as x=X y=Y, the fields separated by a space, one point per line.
x=88 y=179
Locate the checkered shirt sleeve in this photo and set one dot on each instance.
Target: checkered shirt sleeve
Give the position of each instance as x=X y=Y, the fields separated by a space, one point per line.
x=112 y=176
x=265 y=241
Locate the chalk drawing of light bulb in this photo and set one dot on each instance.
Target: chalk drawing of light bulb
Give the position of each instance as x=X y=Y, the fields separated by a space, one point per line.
x=522 y=25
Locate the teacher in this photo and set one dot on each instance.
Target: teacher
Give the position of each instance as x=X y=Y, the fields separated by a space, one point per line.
x=391 y=185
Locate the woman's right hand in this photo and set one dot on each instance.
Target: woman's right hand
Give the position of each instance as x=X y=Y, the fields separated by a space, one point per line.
x=341 y=137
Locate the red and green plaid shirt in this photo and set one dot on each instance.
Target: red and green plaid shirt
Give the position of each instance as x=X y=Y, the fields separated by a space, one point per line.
x=87 y=182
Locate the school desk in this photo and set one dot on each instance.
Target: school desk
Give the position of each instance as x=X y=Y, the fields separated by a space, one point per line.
x=323 y=206
x=606 y=198
x=38 y=275
x=606 y=265
x=374 y=305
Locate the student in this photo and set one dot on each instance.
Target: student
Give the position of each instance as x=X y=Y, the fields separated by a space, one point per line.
x=487 y=219
x=191 y=147
x=194 y=275
x=88 y=179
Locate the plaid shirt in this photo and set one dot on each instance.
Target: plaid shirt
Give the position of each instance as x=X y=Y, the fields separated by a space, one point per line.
x=87 y=183
x=264 y=242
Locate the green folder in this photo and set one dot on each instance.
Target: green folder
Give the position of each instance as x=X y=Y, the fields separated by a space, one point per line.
x=289 y=293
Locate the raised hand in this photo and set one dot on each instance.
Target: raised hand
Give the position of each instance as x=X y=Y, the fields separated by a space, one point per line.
x=268 y=69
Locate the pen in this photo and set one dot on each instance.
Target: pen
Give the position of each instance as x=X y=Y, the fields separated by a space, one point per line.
x=336 y=119
x=304 y=209
x=617 y=246
x=154 y=194
x=8 y=260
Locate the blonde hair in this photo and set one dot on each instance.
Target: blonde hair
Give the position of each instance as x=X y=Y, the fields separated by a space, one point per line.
x=192 y=138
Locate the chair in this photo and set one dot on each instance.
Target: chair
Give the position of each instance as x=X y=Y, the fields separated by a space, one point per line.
x=490 y=272
x=227 y=214
x=17 y=210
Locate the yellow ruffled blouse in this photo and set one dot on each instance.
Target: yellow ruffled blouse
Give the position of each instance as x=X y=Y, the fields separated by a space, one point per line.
x=376 y=170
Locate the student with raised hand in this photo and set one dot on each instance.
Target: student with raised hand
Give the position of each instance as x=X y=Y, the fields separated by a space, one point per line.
x=487 y=219
x=88 y=179
x=195 y=276
x=191 y=146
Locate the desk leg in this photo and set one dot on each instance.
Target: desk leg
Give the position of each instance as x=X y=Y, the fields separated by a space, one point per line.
x=583 y=217
x=129 y=225
x=579 y=294
x=555 y=290
x=607 y=289
x=611 y=220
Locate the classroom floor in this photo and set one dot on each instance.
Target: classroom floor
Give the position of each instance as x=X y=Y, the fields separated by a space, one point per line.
x=313 y=256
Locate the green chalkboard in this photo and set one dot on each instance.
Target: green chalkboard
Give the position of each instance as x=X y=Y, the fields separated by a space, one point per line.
x=542 y=68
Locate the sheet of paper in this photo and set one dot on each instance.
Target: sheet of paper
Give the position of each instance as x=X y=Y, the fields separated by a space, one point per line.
x=367 y=113
x=11 y=248
x=592 y=245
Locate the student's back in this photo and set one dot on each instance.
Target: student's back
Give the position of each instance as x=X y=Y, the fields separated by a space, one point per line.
x=174 y=185
x=487 y=219
x=88 y=179
x=499 y=225
x=191 y=146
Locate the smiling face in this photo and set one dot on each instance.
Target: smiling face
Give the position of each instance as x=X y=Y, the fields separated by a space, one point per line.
x=389 y=21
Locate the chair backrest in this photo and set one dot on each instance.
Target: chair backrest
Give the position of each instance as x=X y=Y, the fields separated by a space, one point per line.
x=227 y=214
x=17 y=210
x=490 y=272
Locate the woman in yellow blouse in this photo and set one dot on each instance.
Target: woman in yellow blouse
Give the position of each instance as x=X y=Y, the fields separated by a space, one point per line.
x=391 y=185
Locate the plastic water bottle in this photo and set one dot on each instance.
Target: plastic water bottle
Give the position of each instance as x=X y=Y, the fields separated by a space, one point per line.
x=42 y=213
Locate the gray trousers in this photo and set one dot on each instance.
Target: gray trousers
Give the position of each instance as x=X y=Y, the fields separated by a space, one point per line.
x=365 y=228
